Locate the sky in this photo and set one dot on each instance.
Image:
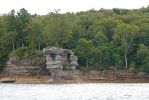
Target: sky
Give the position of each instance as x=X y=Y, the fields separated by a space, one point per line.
x=43 y=7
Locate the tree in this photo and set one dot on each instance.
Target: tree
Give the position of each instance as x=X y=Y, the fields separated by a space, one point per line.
x=5 y=48
x=11 y=26
x=23 y=17
x=12 y=34
x=115 y=55
x=53 y=28
x=35 y=33
x=106 y=26
x=3 y=25
x=126 y=33
x=84 y=50
x=143 y=54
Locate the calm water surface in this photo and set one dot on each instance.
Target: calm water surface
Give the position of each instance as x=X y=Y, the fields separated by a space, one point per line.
x=101 y=91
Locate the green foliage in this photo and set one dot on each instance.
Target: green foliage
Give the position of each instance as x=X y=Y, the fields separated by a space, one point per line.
x=101 y=39
x=143 y=57
x=84 y=45
x=26 y=52
x=145 y=67
x=5 y=48
x=143 y=52
x=133 y=68
x=126 y=34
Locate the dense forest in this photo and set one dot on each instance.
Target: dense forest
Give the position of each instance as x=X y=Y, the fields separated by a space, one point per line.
x=103 y=39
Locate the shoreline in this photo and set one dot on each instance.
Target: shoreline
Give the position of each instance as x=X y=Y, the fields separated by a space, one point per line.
x=79 y=77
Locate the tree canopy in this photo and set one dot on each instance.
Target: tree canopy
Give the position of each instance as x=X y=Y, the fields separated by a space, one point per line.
x=100 y=38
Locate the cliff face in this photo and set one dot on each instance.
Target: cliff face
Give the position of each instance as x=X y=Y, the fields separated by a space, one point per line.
x=51 y=63
x=50 y=67
x=26 y=67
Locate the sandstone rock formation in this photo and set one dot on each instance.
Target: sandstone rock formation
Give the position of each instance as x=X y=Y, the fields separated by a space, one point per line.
x=26 y=67
x=52 y=63
x=60 y=58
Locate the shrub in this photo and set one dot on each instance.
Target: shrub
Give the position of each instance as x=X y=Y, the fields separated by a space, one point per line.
x=26 y=52
x=145 y=67
x=133 y=68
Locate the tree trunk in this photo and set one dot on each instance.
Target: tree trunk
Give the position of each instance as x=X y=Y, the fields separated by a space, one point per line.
x=126 y=63
x=22 y=44
x=115 y=63
x=126 y=50
x=13 y=44
x=39 y=46
x=87 y=63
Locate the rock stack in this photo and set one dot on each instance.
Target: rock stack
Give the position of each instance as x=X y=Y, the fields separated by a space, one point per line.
x=60 y=58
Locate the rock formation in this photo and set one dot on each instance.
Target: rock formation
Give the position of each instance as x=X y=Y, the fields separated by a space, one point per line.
x=52 y=63
x=60 y=58
x=26 y=67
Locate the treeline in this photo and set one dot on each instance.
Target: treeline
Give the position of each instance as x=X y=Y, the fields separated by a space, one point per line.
x=117 y=38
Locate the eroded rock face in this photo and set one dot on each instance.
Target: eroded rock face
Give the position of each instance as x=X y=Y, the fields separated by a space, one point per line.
x=60 y=58
x=52 y=63
x=26 y=67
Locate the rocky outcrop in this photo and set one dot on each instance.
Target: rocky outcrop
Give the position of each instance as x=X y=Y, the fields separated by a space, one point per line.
x=26 y=67
x=54 y=61
x=60 y=58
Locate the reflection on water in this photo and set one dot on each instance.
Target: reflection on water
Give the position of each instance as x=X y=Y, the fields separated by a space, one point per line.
x=101 y=91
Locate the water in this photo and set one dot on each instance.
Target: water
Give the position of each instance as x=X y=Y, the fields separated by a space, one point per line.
x=101 y=91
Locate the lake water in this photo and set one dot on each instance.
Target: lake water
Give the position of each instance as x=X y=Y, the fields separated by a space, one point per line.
x=101 y=91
